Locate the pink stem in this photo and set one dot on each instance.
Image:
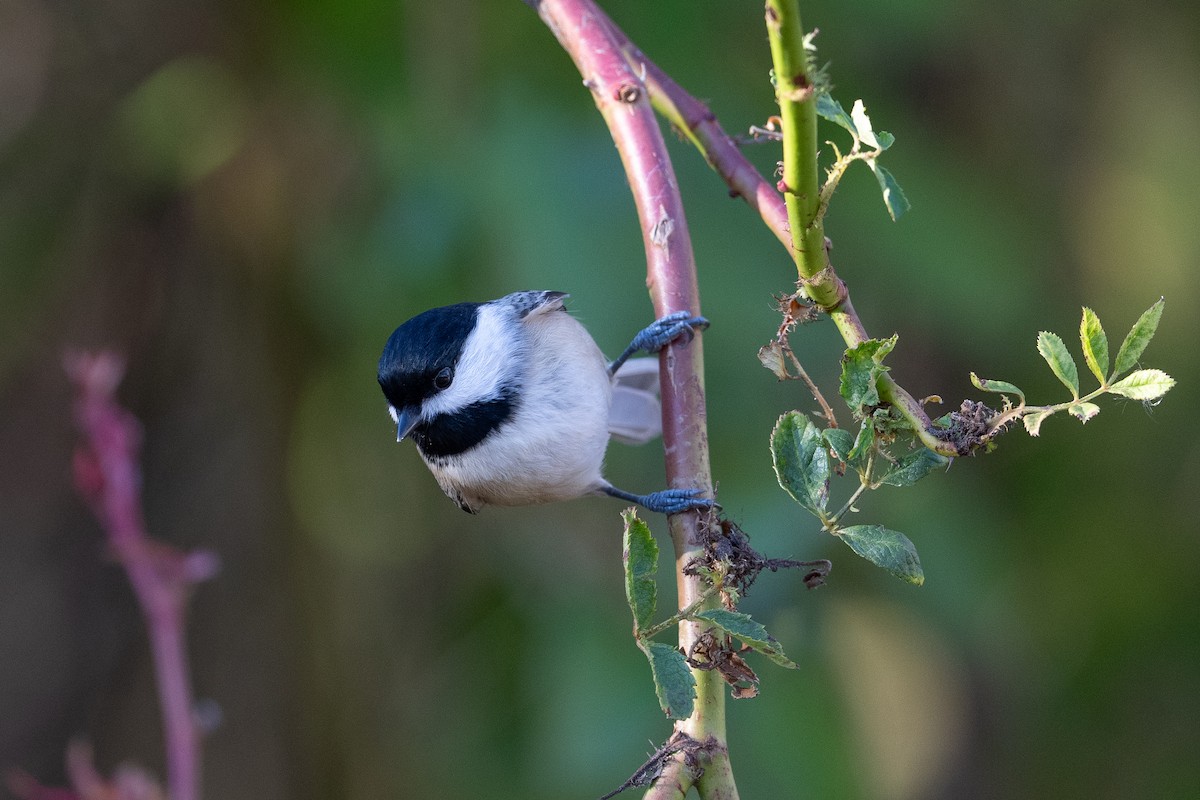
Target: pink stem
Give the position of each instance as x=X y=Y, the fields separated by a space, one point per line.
x=596 y=46
x=107 y=475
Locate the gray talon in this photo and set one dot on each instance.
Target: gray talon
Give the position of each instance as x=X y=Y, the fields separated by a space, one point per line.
x=659 y=334
x=668 y=501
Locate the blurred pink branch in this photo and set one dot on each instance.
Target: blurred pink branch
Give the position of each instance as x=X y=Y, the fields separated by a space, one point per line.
x=108 y=477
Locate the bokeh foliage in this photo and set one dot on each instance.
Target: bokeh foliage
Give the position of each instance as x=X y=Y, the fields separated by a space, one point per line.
x=248 y=197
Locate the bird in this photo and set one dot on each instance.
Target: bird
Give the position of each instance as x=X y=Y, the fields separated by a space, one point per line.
x=511 y=402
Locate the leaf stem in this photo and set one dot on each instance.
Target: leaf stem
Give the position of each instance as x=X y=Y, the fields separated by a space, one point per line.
x=1024 y=410
x=826 y=411
x=684 y=613
x=864 y=484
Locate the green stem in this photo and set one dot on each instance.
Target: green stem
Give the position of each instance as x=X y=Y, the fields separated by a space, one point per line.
x=805 y=210
x=798 y=123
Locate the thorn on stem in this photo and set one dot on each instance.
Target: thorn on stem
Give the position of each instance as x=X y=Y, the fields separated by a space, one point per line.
x=627 y=93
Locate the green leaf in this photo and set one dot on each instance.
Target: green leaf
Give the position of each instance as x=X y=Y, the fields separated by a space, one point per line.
x=832 y=110
x=861 y=367
x=1084 y=411
x=913 y=466
x=801 y=461
x=885 y=548
x=1051 y=346
x=1095 y=344
x=863 y=443
x=640 y=553
x=1145 y=384
x=840 y=440
x=1000 y=387
x=1139 y=336
x=893 y=196
x=888 y=420
x=673 y=681
x=742 y=627
x=1033 y=422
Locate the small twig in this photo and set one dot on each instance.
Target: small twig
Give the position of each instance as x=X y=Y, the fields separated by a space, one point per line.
x=826 y=410
x=759 y=133
x=107 y=476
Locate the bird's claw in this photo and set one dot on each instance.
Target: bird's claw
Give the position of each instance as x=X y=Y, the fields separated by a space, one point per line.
x=676 y=501
x=661 y=332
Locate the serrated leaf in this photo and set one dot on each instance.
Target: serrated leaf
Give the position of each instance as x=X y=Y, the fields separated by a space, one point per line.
x=1084 y=411
x=884 y=139
x=1145 y=384
x=1000 y=387
x=801 y=461
x=861 y=367
x=770 y=355
x=673 y=681
x=1095 y=344
x=1051 y=346
x=1033 y=422
x=640 y=553
x=863 y=443
x=832 y=110
x=913 y=466
x=742 y=627
x=840 y=440
x=1138 y=337
x=893 y=196
x=885 y=548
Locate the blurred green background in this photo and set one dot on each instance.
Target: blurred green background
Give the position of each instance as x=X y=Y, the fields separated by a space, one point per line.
x=246 y=198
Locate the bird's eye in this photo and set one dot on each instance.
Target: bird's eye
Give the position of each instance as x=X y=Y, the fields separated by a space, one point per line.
x=443 y=379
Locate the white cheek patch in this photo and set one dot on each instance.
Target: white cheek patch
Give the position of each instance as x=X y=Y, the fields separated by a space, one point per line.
x=490 y=358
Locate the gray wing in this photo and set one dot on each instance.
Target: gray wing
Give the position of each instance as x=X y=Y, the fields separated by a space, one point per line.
x=636 y=413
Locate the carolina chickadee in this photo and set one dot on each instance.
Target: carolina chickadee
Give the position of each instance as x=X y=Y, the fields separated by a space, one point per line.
x=512 y=403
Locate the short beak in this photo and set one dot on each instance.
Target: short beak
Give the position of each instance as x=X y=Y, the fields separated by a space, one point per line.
x=406 y=419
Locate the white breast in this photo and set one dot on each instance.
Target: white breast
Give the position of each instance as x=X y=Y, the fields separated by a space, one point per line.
x=553 y=447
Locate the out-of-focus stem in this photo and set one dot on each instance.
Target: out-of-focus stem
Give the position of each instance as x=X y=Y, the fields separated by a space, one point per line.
x=107 y=475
